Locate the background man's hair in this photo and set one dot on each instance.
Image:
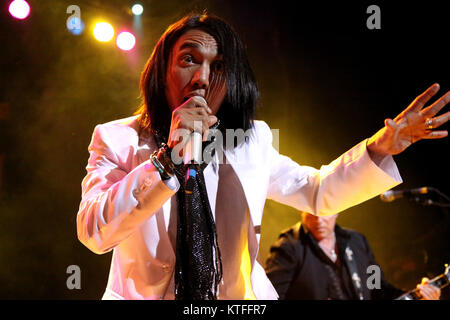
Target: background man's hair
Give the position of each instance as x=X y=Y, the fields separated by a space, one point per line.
x=242 y=97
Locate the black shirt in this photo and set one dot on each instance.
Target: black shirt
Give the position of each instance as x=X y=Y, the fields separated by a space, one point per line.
x=300 y=270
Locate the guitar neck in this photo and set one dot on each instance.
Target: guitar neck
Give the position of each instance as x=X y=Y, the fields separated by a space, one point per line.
x=440 y=281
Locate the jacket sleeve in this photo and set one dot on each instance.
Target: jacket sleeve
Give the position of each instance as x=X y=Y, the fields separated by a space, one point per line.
x=347 y=181
x=115 y=202
x=282 y=265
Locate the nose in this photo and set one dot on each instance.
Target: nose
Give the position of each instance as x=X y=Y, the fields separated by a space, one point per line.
x=319 y=221
x=200 y=80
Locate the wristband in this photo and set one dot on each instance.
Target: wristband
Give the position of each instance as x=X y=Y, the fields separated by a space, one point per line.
x=162 y=162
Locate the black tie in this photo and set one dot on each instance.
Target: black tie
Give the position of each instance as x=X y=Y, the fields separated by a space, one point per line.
x=198 y=268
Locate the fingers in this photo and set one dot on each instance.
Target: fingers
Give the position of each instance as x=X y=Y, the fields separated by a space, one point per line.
x=420 y=101
x=206 y=124
x=435 y=134
x=200 y=121
x=390 y=124
x=424 y=292
x=429 y=292
x=393 y=126
x=196 y=102
x=439 y=121
x=193 y=115
x=178 y=137
x=207 y=121
x=437 y=106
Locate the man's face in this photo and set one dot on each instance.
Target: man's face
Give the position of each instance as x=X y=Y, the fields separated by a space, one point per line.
x=320 y=227
x=195 y=68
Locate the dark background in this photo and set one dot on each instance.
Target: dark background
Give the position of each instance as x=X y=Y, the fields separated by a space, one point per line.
x=327 y=82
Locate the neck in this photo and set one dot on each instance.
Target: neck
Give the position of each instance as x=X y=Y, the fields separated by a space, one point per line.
x=328 y=245
x=330 y=239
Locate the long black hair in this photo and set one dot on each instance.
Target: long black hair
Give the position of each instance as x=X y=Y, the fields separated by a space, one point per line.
x=242 y=97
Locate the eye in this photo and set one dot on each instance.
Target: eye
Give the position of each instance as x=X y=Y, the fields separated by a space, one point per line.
x=187 y=59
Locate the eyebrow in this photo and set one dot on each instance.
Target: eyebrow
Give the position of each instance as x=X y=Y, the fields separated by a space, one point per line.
x=195 y=45
x=189 y=45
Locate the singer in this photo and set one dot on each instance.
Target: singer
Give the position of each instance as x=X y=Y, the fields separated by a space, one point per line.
x=199 y=241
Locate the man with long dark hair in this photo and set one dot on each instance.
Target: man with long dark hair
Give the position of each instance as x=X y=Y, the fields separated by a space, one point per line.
x=192 y=231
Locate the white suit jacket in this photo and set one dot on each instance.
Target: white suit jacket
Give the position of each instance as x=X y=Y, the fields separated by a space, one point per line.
x=125 y=205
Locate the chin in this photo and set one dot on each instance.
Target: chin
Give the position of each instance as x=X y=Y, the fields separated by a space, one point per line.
x=321 y=234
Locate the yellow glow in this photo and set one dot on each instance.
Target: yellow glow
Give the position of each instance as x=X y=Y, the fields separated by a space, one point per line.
x=103 y=31
x=246 y=269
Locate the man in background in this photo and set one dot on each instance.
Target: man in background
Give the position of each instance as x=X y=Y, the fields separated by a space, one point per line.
x=316 y=259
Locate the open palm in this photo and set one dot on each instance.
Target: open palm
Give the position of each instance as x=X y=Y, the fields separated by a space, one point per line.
x=412 y=124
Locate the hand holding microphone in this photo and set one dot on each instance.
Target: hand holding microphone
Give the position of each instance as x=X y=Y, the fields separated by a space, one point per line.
x=185 y=131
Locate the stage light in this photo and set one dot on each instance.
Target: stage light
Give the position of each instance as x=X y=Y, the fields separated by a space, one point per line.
x=19 y=9
x=137 y=9
x=126 y=41
x=103 y=31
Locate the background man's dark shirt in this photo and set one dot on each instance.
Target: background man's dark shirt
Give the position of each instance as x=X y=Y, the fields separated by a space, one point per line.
x=300 y=270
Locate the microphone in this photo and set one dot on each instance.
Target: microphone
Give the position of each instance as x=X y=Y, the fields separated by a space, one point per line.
x=192 y=157
x=392 y=195
x=193 y=149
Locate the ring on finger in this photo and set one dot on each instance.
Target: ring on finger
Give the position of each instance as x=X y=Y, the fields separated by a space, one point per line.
x=429 y=123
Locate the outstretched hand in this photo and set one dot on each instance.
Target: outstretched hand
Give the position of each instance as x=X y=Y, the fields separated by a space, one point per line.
x=413 y=124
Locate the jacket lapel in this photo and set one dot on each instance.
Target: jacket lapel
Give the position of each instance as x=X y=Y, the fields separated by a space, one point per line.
x=247 y=171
